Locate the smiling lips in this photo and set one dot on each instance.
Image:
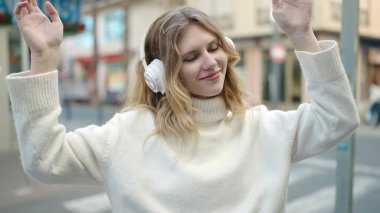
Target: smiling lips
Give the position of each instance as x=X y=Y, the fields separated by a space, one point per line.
x=211 y=77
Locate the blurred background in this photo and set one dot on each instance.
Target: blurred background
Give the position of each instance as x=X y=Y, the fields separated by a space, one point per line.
x=98 y=55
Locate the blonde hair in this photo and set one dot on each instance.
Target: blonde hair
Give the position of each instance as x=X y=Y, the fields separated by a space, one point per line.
x=173 y=110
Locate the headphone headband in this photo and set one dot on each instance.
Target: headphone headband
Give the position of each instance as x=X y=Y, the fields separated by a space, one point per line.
x=142 y=50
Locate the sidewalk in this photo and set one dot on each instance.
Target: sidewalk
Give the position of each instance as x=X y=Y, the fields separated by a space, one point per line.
x=365 y=129
x=18 y=192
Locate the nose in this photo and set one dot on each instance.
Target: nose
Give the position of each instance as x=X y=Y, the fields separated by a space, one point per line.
x=209 y=61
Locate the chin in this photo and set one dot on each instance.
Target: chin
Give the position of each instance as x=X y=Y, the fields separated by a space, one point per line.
x=209 y=95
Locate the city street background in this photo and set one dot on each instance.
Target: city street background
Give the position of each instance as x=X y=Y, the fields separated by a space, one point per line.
x=99 y=51
x=311 y=187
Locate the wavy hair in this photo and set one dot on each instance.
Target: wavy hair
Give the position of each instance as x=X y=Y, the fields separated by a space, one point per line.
x=173 y=110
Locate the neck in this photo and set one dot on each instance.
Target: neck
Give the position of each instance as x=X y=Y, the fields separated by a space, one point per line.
x=209 y=110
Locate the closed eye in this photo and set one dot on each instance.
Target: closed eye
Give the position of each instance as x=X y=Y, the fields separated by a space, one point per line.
x=190 y=58
x=213 y=49
x=214 y=46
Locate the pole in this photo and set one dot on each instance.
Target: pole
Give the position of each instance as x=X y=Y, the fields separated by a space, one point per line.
x=126 y=54
x=346 y=148
x=274 y=71
x=99 y=107
x=5 y=117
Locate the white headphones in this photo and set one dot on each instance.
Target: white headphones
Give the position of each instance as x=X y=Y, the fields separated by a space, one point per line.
x=154 y=74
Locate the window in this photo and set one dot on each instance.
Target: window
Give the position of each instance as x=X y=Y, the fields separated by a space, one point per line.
x=114 y=26
x=263 y=12
x=364 y=5
x=221 y=11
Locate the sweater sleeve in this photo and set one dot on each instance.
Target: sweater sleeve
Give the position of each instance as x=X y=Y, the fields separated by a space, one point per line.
x=48 y=152
x=332 y=114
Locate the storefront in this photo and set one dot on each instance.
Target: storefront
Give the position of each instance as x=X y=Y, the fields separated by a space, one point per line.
x=370 y=72
x=107 y=82
x=11 y=61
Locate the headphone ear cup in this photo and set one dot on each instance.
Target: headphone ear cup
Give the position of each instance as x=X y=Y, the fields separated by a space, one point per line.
x=230 y=42
x=154 y=76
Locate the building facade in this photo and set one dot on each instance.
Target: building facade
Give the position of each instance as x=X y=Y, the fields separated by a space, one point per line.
x=248 y=23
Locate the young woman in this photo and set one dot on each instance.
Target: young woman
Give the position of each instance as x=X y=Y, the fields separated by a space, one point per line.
x=186 y=142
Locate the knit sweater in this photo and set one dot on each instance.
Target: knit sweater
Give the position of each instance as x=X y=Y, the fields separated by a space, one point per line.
x=238 y=165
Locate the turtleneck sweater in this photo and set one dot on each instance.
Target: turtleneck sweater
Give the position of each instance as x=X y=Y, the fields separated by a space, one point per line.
x=238 y=165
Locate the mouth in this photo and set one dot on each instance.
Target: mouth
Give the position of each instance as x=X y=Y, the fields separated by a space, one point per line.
x=211 y=76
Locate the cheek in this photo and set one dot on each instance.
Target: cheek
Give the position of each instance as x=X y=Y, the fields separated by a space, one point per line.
x=184 y=76
x=187 y=72
x=180 y=76
x=225 y=58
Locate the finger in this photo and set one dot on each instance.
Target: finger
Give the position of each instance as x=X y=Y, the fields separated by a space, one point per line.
x=35 y=5
x=20 y=10
x=19 y=7
x=24 y=11
x=53 y=13
x=30 y=8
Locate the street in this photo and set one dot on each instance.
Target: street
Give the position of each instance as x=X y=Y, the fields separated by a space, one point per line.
x=311 y=185
x=312 y=181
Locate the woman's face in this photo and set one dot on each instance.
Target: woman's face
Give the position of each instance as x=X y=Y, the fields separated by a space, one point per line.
x=204 y=62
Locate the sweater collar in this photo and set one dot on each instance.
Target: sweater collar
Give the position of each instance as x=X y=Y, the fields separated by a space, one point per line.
x=210 y=110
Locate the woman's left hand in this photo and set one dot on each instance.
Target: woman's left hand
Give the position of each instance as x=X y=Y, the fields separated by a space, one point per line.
x=293 y=17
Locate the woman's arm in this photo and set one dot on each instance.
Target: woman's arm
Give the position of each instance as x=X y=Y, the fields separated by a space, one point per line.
x=48 y=153
x=332 y=115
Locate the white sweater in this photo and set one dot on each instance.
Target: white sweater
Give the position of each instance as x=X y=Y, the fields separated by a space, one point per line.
x=238 y=166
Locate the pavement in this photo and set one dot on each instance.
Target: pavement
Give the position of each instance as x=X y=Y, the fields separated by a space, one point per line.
x=22 y=194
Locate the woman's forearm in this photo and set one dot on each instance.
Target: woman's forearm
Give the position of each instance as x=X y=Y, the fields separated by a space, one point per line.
x=304 y=41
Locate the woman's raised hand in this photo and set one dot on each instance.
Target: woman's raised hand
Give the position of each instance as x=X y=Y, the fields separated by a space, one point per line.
x=42 y=35
x=293 y=17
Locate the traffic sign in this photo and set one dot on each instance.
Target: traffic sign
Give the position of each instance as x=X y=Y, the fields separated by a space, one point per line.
x=277 y=53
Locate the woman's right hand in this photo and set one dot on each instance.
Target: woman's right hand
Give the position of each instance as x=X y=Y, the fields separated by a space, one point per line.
x=42 y=35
